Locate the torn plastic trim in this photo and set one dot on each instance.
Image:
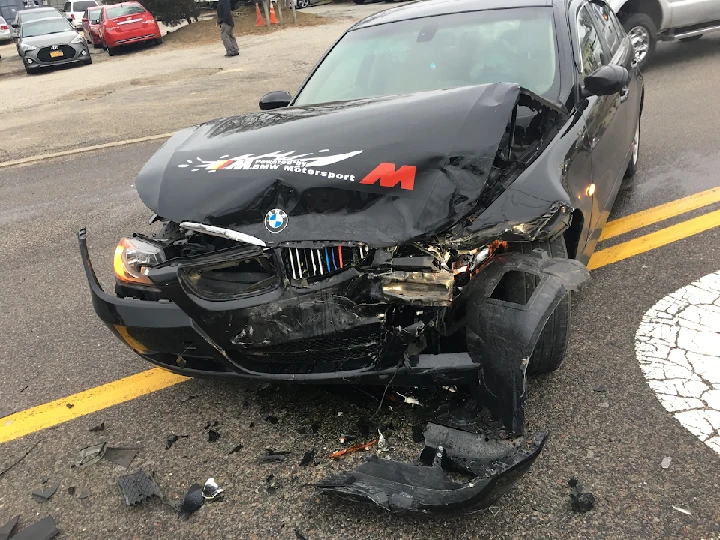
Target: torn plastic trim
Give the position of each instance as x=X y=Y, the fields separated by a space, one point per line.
x=502 y=334
x=492 y=462
x=222 y=232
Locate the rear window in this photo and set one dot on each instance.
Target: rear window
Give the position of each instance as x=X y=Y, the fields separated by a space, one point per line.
x=94 y=15
x=122 y=11
x=82 y=5
x=67 y=7
x=41 y=28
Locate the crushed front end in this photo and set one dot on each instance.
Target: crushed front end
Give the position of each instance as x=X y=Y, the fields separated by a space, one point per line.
x=433 y=270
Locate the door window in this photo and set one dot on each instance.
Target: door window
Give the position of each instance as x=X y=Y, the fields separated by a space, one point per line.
x=592 y=54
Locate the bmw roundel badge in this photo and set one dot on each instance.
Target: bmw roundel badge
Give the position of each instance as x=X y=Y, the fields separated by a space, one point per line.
x=276 y=220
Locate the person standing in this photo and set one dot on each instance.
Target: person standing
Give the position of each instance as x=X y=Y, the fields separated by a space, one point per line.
x=227 y=24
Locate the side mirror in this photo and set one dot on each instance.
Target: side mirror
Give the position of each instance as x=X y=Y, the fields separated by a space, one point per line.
x=15 y=25
x=275 y=100
x=606 y=81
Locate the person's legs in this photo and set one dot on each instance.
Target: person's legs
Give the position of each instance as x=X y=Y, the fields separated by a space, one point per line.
x=231 y=47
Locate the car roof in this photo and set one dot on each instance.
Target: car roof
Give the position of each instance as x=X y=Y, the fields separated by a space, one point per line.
x=37 y=9
x=431 y=8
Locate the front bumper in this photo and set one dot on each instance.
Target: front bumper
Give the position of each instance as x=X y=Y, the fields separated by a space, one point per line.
x=165 y=335
x=72 y=53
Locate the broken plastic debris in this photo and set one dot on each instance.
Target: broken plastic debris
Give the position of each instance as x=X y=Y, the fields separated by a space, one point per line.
x=69 y=405
x=43 y=496
x=193 y=501
x=172 y=439
x=600 y=388
x=7 y=529
x=90 y=455
x=665 y=463
x=346 y=438
x=579 y=500
x=308 y=458
x=137 y=487
x=271 y=419
x=382 y=443
x=188 y=398
x=213 y=435
x=354 y=448
x=71 y=491
x=211 y=491
x=99 y=427
x=45 y=529
x=409 y=399
x=121 y=455
x=683 y=510
x=452 y=389
x=271 y=455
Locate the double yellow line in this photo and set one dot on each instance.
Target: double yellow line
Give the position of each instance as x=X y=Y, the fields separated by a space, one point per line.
x=63 y=410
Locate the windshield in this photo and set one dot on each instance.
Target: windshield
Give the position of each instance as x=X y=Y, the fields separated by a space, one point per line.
x=433 y=53
x=82 y=6
x=41 y=28
x=115 y=12
x=35 y=14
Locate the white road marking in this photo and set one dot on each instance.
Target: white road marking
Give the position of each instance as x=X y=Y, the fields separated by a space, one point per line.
x=678 y=347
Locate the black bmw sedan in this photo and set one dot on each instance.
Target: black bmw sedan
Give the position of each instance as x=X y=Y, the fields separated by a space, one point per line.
x=418 y=213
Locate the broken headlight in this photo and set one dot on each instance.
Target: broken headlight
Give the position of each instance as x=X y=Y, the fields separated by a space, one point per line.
x=132 y=259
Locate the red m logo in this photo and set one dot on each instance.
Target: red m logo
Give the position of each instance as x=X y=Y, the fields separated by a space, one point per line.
x=389 y=177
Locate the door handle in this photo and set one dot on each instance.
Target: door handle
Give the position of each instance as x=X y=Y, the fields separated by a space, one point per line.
x=624 y=94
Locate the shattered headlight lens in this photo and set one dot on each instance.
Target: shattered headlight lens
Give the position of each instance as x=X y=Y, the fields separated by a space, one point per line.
x=27 y=48
x=79 y=39
x=132 y=258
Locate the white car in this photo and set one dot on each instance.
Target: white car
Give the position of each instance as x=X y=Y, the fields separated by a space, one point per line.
x=74 y=11
x=5 y=31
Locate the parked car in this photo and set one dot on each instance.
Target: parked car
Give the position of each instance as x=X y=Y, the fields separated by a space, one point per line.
x=74 y=11
x=91 y=25
x=51 y=42
x=126 y=23
x=5 y=31
x=417 y=214
x=32 y=14
x=650 y=21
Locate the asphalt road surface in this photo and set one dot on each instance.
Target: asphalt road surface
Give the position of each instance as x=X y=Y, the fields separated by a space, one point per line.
x=607 y=426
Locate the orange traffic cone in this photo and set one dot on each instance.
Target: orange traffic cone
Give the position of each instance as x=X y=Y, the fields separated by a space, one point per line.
x=273 y=20
x=258 y=16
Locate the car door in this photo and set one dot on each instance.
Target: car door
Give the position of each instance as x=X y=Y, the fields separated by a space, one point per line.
x=607 y=127
x=684 y=13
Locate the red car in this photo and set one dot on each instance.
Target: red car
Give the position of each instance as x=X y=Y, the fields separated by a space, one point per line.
x=91 y=25
x=126 y=23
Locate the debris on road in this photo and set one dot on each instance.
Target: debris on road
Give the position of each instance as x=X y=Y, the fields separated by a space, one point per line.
x=346 y=438
x=43 y=496
x=172 y=439
x=665 y=463
x=13 y=465
x=409 y=399
x=418 y=434
x=271 y=419
x=299 y=535
x=188 y=398
x=99 y=427
x=579 y=500
x=121 y=455
x=7 y=529
x=354 y=448
x=308 y=458
x=271 y=487
x=69 y=405
x=211 y=491
x=682 y=510
x=271 y=456
x=236 y=449
x=213 y=435
x=90 y=455
x=193 y=501
x=45 y=529
x=137 y=487
x=600 y=388
x=383 y=445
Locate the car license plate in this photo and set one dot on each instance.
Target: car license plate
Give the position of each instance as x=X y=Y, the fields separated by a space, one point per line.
x=56 y=54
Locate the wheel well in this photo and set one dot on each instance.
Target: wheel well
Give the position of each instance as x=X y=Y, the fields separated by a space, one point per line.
x=573 y=233
x=651 y=8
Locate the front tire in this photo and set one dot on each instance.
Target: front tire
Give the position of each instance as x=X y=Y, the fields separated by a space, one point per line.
x=158 y=41
x=643 y=35
x=112 y=51
x=550 y=348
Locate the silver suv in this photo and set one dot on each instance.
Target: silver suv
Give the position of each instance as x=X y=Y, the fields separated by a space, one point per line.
x=51 y=42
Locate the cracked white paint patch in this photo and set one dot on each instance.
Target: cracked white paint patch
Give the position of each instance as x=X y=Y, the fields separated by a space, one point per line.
x=678 y=347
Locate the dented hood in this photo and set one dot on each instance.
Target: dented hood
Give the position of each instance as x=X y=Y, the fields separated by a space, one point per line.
x=382 y=171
